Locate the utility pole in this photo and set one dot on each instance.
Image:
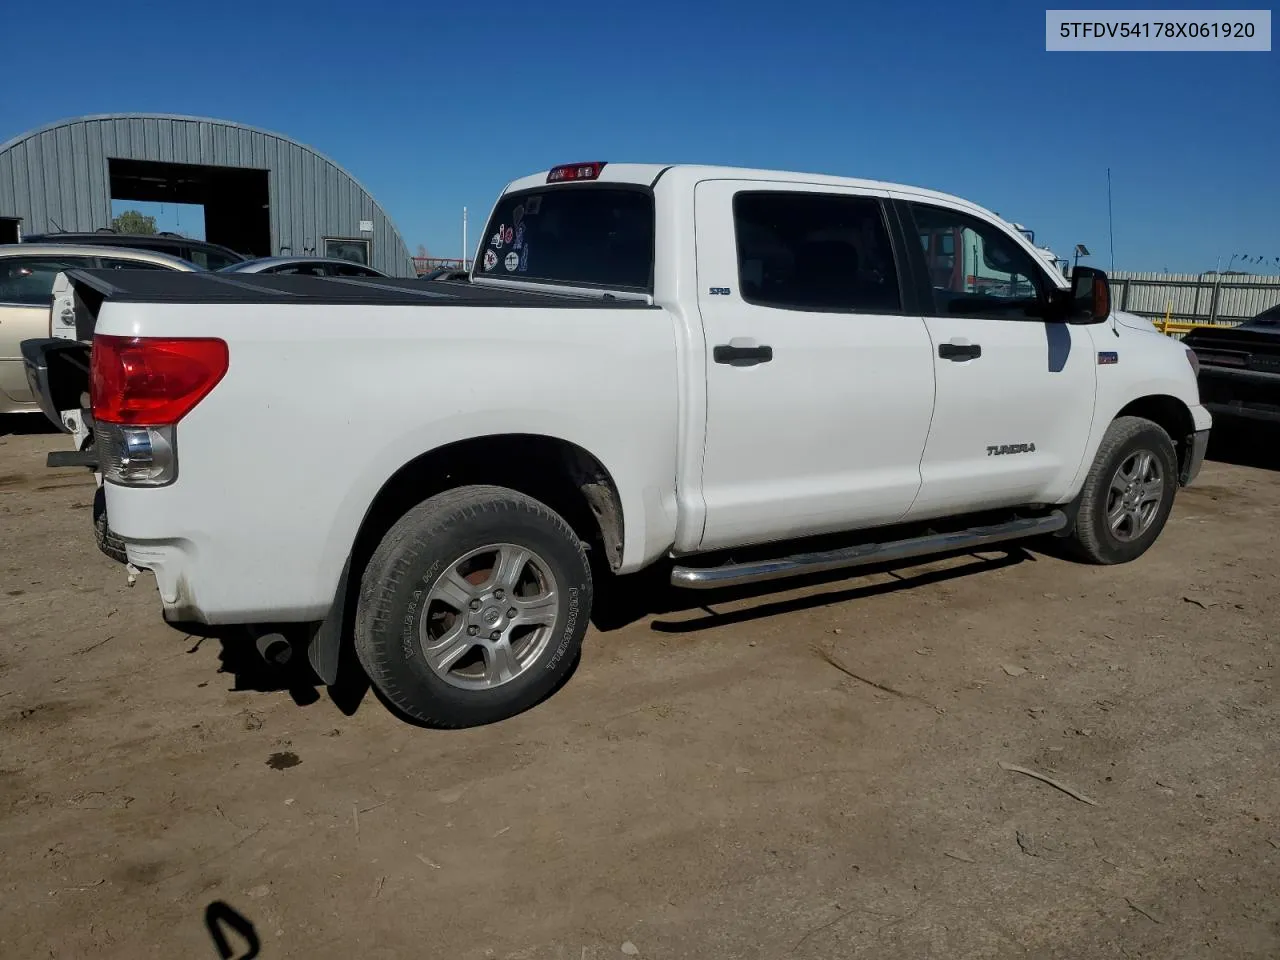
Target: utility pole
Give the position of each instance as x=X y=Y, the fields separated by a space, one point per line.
x=464 y=237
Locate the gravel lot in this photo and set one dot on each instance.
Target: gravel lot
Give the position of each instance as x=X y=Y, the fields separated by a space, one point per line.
x=710 y=783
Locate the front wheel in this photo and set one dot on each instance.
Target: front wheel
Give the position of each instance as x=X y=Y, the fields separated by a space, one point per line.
x=473 y=607
x=1128 y=492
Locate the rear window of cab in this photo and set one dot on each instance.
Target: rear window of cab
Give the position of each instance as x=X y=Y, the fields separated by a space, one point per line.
x=584 y=235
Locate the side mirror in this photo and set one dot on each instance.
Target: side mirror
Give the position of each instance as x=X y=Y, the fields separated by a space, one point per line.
x=1090 y=296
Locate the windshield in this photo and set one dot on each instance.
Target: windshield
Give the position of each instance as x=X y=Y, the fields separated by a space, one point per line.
x=581 y=236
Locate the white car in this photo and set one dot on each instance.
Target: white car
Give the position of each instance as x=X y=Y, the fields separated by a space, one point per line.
x=691 y=366
x=27 y=272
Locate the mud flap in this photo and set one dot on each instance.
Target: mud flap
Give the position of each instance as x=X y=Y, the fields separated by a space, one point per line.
x=324 y=649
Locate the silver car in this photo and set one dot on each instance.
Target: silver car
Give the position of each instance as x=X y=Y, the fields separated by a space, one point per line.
x=27 y=272
x=303 y=266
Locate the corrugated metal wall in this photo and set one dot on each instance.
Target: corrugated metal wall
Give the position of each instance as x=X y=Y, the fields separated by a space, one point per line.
x=1199 y=298
x=57 y=178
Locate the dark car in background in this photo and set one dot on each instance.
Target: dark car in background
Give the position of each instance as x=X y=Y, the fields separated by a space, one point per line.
x=1240 y=367
x=210 y=256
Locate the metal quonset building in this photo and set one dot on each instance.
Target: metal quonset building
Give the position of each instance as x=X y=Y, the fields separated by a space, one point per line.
x=263 y=194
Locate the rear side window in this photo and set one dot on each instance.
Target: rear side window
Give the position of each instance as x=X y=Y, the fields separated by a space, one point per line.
x=812 y=251
x=29 y=280
x=299 y=269
x=351 y=270
x=117 y=263
x=212 y=259
x=580 y=236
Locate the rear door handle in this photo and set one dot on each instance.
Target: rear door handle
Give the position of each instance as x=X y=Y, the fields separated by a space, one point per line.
x=742 y=352
x=959 y=351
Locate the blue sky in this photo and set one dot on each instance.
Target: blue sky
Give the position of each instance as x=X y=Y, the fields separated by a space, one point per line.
x=435 y=107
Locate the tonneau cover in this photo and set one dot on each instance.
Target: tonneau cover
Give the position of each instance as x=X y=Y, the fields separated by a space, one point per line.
x=166 y=286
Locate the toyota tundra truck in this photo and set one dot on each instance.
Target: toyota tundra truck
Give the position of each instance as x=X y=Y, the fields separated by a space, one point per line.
x=741 y=375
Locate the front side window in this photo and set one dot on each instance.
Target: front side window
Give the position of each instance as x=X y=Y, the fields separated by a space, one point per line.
x=975 y=268
x=812 y=251
x=29 y=280
x=577 y=236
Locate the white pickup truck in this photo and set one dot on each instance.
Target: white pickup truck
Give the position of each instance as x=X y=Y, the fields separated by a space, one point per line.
x=741 y=374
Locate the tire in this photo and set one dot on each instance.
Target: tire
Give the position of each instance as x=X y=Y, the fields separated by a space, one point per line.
x=107 y=541
x=1119 y=485
x=441 y=589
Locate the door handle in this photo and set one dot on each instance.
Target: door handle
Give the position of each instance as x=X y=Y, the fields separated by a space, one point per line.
x=959 y=351
x=741 y=352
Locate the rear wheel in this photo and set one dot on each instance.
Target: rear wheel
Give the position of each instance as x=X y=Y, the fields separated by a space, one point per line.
x=1128 y=492
x=473 y=607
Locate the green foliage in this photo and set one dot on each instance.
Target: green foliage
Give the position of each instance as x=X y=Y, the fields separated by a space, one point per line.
x=132 y=221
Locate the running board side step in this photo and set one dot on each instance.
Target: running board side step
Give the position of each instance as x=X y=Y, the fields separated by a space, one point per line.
x=736 y=574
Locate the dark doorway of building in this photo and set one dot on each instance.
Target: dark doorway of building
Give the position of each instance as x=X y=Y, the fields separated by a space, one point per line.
x=236 y=201
x=9 y=229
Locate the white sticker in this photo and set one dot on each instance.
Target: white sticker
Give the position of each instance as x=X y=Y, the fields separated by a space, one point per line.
x=490 y=260
x=512 y=261
x=496 y=239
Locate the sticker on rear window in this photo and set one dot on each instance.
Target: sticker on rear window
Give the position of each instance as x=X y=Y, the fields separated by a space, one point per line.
x=512 y=261
x=496 y=239
x=490 y=260
x=532 y=206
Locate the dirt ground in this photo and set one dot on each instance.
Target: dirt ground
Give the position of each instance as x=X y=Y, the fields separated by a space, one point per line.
x=708 y=783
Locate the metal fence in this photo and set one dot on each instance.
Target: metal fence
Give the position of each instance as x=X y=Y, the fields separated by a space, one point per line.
x=423 y=265
x=1194 y=298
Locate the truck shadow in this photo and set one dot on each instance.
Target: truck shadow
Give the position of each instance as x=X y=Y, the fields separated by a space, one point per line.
x=619 y=602
x=1245 y=443
x=625 y=600
x=25 y=424
x=239 y=658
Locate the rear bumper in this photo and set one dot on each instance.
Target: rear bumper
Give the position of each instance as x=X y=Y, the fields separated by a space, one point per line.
x=219 y=559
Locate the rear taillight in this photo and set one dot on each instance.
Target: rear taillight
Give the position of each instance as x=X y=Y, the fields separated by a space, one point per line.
x=152 y=380
x=139 y=388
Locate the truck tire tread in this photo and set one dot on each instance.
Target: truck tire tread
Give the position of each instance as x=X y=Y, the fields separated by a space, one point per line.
x=107 y=541
x=1090 y=541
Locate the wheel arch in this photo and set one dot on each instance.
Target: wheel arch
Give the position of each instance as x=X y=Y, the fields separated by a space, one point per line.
x=565 y=476
x=1170 y=414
